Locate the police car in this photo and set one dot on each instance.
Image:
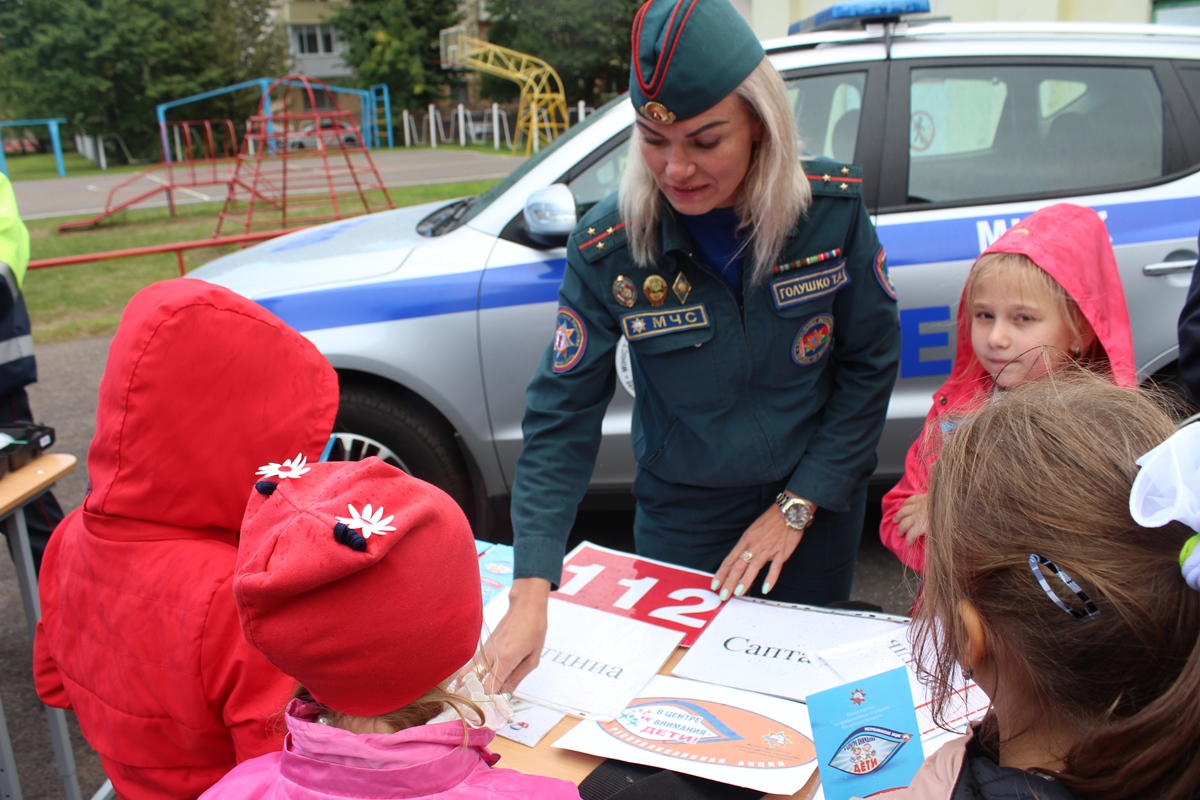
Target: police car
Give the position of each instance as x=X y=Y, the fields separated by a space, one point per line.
x=435 y=316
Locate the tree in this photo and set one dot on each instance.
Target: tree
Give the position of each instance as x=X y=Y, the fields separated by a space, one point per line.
x=587 y=42
x=105 y=64
x=396 y=42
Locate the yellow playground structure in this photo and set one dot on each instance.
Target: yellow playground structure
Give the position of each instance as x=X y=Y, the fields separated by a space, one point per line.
x=542 y=113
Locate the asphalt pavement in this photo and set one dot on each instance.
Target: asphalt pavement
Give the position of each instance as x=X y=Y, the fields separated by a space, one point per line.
x=65 y=398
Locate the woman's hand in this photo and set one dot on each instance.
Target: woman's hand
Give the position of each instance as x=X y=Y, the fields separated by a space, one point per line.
x=912 y=520
x=768 y=540
x=520 y=635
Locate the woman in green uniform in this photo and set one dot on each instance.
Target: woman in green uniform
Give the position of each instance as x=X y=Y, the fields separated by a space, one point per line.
x=754 y=296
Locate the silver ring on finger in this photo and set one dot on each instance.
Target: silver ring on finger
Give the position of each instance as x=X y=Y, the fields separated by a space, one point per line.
x=746 y=556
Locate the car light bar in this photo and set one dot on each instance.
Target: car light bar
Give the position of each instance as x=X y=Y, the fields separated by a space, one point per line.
x=856 y=14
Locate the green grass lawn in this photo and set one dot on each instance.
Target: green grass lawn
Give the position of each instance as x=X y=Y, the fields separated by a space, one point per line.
x=40 y=166
x=87 y=299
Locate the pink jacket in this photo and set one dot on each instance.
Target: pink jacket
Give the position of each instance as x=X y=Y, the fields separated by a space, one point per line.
x=429 y=761
x=1071 y=244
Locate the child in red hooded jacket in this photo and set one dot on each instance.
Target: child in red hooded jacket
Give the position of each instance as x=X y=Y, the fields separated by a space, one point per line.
x=1046 y=292
x=140 y=634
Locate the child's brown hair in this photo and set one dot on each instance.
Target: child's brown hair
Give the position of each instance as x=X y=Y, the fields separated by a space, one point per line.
x=1047 y=469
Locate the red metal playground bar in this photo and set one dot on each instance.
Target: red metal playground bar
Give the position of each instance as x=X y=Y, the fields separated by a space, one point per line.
x=177 y=248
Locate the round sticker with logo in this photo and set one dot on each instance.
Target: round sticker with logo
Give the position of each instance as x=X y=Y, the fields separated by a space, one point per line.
x=570 y=340
x=813 y=340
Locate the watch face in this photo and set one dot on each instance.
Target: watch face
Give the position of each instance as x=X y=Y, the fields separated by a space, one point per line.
x=797 y=514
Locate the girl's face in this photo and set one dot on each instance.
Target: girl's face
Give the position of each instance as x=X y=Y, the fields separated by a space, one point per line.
x=1018 y=333
x=700 y=164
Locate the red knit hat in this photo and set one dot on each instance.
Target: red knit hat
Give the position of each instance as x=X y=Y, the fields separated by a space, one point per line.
x=359 y=581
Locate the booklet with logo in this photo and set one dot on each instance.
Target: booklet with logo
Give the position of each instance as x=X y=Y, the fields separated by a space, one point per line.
x=867 y=736
x=965 y=701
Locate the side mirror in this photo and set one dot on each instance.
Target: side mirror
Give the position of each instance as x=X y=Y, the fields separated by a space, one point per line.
x=550 y=215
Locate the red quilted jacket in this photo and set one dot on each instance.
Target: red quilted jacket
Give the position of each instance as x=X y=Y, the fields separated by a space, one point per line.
x=140 y=635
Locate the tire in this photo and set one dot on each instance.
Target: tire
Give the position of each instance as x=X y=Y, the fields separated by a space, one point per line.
x=371 y=422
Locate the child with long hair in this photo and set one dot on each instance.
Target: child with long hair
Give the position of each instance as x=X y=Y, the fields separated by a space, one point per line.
x=1045 y=583
x=362 y=583
x=1046 y=293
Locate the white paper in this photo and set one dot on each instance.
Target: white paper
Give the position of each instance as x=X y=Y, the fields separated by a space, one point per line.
x=594 y=663
x=893 y=649
x=734 y=746
x=772 y=647
x=530 y=723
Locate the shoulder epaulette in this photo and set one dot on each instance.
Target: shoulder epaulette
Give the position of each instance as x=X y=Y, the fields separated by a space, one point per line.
x=834 y=178
x=599 y=237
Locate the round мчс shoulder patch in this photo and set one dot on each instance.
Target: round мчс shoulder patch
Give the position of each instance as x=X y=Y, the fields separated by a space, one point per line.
x=570 y=340
x=813 y=340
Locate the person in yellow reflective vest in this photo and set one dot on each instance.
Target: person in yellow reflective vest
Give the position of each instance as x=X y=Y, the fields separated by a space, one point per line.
x=18 y=368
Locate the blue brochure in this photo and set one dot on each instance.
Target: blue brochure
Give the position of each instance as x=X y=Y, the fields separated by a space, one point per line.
x=866 y=735
x=495 y=568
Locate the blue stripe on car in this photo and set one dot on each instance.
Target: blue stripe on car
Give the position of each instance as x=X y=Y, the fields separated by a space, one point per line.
x=963 y=239
x=907 y=244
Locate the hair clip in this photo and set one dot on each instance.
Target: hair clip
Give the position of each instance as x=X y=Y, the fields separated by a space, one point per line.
x=1036 y=562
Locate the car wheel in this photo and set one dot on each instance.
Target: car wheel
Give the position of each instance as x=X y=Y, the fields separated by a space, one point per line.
x=371 y=422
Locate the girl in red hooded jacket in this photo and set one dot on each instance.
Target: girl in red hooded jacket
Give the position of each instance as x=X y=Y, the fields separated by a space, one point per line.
x=1045 y=293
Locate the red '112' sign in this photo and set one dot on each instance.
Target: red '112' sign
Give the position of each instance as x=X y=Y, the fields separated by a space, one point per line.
x=651 y=591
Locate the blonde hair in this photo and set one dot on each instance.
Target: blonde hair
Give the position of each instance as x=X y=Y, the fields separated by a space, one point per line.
x=1031 y=279
x=418 y=712
x=1047 y=469
x=776 y=189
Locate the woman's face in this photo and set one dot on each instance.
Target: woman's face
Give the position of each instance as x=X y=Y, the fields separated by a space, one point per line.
x=700 y=164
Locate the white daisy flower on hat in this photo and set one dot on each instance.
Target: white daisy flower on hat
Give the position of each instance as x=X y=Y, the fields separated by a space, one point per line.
x=369 y=522
x=291 y=468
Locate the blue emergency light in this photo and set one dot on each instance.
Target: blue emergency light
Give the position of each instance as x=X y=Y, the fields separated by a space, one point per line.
x=855 y=14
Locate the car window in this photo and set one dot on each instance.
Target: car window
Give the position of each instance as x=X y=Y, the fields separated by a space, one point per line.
x=988 y=132
x=600 y=179
x=827 y=110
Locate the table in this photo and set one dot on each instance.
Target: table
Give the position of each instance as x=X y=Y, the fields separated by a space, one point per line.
x=572 y=766
x=16 y=490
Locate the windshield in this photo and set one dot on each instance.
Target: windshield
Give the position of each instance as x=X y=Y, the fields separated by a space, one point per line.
x=452 y=216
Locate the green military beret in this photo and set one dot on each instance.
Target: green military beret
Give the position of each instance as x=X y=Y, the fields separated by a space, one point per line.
x=687 y=56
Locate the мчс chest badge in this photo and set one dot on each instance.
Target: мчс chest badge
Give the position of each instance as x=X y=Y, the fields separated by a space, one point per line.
x=655 y=289
x=624 y=292
x=682 y=287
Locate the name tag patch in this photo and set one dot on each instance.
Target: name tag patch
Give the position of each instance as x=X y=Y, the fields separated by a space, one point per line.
x=656 y=323
x=813 y=340
x=793 y=291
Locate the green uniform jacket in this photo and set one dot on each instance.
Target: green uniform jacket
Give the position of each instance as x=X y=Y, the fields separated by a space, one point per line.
x=790 y=385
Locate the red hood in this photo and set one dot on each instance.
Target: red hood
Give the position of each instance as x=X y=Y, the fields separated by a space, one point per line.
x=1071 y=244
x=201 y=388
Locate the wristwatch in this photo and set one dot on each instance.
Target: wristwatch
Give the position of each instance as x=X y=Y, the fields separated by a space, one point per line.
x=797 y=513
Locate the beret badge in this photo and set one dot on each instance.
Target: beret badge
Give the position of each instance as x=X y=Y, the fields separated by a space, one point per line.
x=658 y=112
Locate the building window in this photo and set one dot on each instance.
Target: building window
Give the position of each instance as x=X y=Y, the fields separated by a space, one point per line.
x=314 y=39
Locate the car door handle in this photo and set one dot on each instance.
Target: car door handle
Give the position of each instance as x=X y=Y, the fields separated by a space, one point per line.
x=1168 y=267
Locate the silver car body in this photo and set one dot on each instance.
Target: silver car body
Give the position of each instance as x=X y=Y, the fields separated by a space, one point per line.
x=459 y=320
